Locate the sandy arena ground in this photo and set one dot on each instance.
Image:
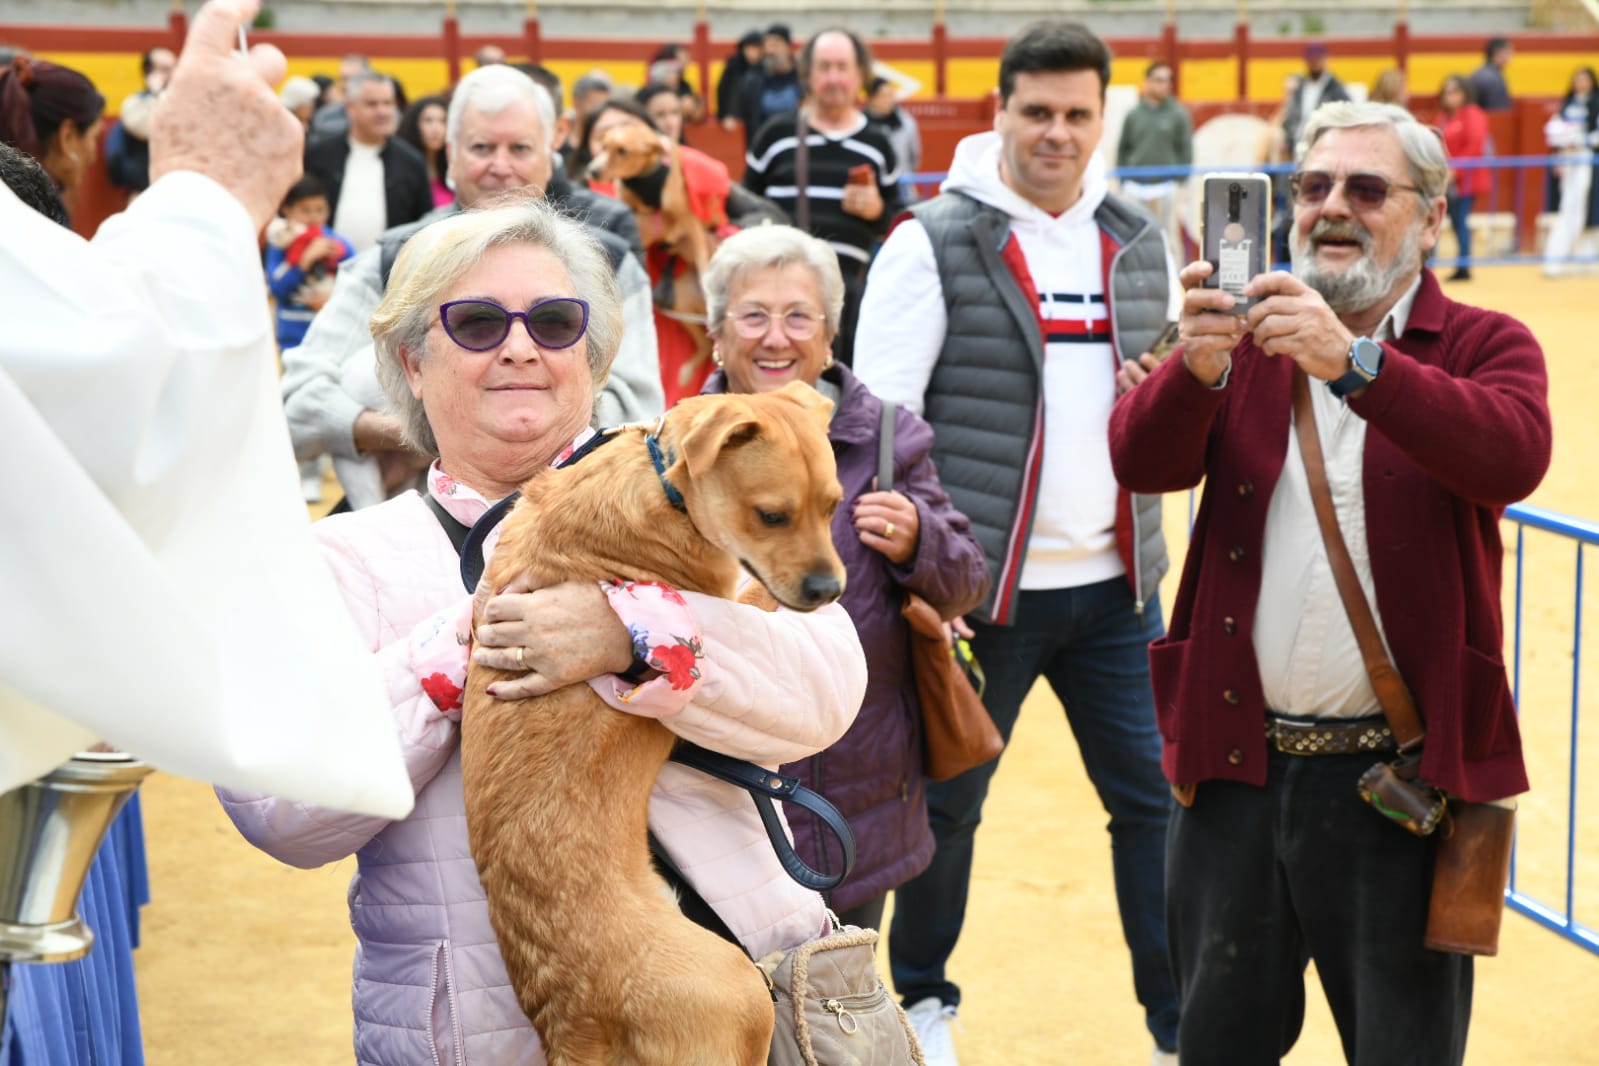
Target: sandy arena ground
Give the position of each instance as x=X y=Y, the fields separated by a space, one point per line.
x=246 y=961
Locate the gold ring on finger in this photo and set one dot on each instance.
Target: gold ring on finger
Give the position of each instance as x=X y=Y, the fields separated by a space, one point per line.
x=888 y=529
x=521 y=662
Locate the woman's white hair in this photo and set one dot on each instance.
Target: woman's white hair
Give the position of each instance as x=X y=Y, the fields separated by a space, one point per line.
x=1424 y=150
x=438 y=256
x=765 y=246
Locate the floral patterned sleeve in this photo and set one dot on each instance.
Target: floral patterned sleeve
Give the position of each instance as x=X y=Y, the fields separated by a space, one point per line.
x=440 y=646
x=666 y=636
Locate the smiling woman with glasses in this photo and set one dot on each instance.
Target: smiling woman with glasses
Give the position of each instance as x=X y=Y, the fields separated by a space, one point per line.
x=776 y=294
x=497 y=328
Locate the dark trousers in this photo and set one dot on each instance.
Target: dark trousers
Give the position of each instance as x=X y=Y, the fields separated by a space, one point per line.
x=868 y=915
x=1261 y=880
x=1459 y=208
x=1093 y=648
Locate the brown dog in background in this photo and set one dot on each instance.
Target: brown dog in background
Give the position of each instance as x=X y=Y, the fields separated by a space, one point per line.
x=632 y=151
x=557 y=787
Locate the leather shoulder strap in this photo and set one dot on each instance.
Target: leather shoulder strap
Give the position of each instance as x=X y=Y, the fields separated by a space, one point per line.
x=764 y=786
x=802 y=171
x=885 y=448
x=1398 y=706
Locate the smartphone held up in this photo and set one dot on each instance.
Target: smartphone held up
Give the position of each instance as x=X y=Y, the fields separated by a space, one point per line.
x=1235 y=231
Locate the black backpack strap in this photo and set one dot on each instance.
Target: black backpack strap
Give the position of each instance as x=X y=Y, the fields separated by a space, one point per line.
x=764 y=786
x=471 y=547
x=453 y=527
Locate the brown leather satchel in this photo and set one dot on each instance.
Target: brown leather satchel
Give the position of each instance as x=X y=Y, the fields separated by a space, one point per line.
x=1471 y=866
x=957 y=732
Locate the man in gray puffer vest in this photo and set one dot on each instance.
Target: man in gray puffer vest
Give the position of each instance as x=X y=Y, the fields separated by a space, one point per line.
x=1010 y=311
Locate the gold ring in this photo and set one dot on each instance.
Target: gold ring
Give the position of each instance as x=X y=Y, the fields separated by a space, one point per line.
x=520 y=661
x=888 y=530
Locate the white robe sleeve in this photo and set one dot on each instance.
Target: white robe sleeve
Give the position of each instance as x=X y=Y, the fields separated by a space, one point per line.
x=159 y=564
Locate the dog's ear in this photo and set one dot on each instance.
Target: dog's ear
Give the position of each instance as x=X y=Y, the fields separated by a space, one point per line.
x=808 y=398
x=725 y=424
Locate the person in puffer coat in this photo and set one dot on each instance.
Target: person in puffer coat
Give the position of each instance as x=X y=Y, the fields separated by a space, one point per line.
x=496 y=399
x=774 y=295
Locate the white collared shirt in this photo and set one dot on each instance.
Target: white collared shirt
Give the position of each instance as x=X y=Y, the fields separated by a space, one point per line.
x=1310 y=663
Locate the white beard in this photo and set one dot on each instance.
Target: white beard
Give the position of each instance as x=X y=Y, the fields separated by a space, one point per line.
x=1361 y=284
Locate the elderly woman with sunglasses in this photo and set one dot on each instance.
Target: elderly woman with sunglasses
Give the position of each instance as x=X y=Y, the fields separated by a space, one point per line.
x=774 y=296
x=496 y=330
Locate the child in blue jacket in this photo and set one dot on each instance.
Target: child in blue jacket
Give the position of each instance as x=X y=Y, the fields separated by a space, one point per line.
x=301 y=257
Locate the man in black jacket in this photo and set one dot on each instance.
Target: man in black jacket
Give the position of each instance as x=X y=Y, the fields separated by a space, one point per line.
x=374 y=179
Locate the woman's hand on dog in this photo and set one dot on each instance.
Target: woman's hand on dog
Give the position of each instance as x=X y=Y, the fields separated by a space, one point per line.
x=889 y=523
x=567 y=634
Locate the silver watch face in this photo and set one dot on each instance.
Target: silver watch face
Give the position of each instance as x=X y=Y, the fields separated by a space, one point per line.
x=1365 y=355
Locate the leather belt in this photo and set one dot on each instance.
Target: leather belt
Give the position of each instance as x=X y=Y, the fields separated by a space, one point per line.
x=1329 y=736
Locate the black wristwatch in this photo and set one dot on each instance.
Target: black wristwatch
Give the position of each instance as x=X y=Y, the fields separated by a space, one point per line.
x=1365 y=363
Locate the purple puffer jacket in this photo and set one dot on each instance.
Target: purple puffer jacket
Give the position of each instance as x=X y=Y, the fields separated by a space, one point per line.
x=873 y=774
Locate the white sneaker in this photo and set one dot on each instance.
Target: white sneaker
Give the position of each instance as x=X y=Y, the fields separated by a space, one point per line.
x=1163 y=1058
x=932 y=1021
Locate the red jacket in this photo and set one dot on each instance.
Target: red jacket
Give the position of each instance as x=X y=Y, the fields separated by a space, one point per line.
x=1466 y=137
x=1458 y=427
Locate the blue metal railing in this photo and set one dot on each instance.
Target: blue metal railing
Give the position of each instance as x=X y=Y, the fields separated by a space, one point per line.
x=1561 y=920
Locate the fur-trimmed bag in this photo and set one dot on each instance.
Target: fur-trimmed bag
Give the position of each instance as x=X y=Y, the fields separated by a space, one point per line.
x=831 y=1006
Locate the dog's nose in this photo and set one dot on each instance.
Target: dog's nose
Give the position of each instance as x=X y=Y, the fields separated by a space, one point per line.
x=820 y=589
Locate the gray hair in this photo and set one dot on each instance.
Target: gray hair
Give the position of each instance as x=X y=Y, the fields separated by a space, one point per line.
x=1429 y=165
x=760 y=247
x=434 y=260
x=297 y=92
x=354 y=84
x=592 y=82
x=490 y=90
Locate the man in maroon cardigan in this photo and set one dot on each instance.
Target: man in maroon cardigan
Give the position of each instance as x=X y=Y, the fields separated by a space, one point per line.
x=1433 y=417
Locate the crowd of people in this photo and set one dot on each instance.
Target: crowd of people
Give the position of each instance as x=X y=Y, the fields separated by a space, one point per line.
x=465 y=294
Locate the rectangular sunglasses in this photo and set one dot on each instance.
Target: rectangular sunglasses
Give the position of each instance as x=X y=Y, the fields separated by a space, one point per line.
x=1366 y=192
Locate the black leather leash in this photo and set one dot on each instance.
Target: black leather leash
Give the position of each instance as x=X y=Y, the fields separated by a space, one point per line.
x=763 y=785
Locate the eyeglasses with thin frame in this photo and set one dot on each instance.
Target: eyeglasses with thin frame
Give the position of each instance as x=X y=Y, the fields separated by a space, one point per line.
x=483 y=325
x=1365 y=192
x=753 y=323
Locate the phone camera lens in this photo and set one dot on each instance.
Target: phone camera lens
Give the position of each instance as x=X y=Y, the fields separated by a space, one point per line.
x=1233 y=187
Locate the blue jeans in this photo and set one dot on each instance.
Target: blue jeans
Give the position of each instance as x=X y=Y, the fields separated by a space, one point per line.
x=1093 y=648
x=1459 y=208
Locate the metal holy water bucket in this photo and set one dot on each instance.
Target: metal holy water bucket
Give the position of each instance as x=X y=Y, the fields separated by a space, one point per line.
x=50 y=830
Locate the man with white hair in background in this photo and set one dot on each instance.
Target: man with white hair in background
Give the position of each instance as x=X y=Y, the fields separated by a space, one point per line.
x=499 y=142
x=1421 y=419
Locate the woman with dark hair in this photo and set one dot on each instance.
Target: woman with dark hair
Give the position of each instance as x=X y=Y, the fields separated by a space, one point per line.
x=52 y=113
x=595 y=123
x=1465 y=131
x=423 y=126
x=1574 y=132
x=665 y=108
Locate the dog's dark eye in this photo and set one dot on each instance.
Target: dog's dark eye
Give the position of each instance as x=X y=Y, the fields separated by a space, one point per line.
x=832 y=510
x=771 y=519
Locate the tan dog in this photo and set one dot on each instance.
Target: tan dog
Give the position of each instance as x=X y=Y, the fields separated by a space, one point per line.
x=557 y=787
